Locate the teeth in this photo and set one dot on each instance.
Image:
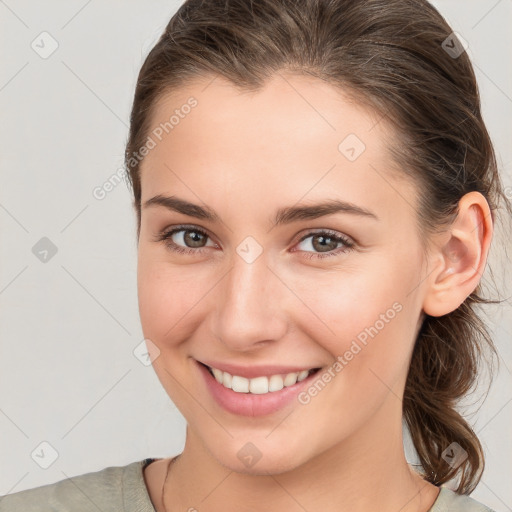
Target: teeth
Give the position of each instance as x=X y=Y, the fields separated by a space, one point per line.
x=302 y=375
x=217 y=374
x=290 y=379
x=240 y=384
x=226 y=379
x=258 y=385
x=275 y=383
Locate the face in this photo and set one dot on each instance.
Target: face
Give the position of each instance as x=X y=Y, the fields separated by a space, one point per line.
x=243 y=270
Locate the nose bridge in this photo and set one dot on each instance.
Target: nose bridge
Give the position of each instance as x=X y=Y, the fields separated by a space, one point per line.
x=248 y=307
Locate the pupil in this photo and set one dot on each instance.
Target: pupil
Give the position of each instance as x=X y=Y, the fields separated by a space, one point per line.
x=323 y=245
x=195 y=239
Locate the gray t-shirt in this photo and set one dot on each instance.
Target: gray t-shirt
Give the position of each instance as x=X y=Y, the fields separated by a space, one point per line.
x=122 y=488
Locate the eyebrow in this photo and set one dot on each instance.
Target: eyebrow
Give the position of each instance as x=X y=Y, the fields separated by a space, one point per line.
x=284 y=215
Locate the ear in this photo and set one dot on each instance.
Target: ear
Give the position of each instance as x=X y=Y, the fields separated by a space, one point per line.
x=458 y=256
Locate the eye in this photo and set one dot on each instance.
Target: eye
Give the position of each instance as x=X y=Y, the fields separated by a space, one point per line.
x=326 y=242
x=184 y=239
x=192 y=240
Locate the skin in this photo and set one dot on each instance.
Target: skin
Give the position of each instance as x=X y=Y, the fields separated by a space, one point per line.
x=244 y=155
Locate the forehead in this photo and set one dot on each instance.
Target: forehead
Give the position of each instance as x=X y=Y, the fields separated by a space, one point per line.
x=297 y=134
x=297 y=108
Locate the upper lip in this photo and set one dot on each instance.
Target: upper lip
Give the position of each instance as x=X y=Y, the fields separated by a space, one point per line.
x=252 y=371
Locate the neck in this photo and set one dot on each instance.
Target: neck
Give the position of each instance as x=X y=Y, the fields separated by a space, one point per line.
x=367 y=471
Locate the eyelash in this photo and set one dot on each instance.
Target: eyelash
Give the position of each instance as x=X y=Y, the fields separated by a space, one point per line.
x=165 y=236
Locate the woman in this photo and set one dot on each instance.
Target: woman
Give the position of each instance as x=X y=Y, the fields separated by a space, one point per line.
x=316 y=194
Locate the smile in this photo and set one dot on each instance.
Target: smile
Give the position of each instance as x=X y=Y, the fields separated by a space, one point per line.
x=259 y=385
x=259 y=391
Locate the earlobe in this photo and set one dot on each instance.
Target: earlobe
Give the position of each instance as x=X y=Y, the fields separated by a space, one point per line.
x=461 y=256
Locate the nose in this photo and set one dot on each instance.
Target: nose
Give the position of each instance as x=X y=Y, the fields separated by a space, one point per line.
x=251 y=306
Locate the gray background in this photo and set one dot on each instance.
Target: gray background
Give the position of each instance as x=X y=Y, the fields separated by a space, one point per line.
x=69 y=325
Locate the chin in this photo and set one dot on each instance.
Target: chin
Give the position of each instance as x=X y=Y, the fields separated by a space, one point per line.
x=269 y=460
x=273 y=465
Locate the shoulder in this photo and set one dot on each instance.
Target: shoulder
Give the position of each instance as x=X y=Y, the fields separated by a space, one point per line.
x=450 y=501
x=119 y=488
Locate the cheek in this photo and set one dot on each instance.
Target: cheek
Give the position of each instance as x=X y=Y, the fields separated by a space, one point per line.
x=365 y=315
x=345 y=301
x=167 y=298
x=370 y=350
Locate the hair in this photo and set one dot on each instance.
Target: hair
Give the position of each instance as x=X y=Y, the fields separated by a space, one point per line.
x=391 y=55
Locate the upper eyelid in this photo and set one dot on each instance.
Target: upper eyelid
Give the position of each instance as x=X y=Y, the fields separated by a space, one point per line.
x=306 y=234
x=168 y=232
x=186 y=227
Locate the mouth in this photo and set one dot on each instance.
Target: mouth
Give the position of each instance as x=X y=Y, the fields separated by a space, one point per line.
x=261 y=385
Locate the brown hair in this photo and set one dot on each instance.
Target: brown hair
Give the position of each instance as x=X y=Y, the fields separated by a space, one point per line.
x=394 y=56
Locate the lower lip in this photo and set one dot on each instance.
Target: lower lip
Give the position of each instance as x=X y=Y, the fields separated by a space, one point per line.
x=249 y=404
